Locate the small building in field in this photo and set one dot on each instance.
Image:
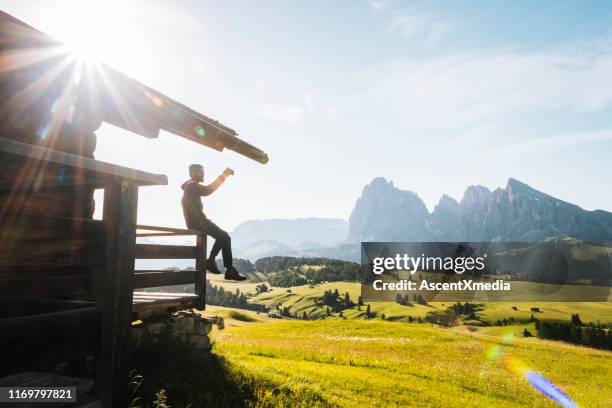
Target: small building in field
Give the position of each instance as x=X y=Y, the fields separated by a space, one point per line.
x=67 y=281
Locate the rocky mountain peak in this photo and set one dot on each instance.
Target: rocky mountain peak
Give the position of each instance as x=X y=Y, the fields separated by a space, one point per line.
x=383 y=210
x=517 y=212
x=475 y=194
x=447 y=201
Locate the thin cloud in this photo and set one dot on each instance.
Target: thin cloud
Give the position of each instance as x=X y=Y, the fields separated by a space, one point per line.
x=281 y=113
x=376 y=5
x=552 y=143
x=471 y=89
x=421 y=25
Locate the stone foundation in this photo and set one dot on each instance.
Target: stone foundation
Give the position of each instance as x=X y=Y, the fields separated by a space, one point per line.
x=188 y=325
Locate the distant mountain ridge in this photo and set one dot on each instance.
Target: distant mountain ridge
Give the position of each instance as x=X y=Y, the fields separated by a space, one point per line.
x=291 y=232
x=262 y=249
x=515 y=213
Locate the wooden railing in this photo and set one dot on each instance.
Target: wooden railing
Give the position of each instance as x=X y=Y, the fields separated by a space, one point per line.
x=157 y=278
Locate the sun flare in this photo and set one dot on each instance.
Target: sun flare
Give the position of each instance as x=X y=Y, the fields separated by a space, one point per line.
x=99 y=31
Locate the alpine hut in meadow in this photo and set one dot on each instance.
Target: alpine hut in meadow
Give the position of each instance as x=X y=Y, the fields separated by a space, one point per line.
x=66 y=280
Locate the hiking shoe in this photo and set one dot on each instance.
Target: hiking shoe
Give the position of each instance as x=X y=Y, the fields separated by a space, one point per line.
x=212 y=267
x=232 y=274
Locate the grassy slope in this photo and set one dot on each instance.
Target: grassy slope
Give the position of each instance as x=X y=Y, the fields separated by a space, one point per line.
x=235 y=317
x=303 y=298
x=353 y=362
x=375 y=363
x=219 y=280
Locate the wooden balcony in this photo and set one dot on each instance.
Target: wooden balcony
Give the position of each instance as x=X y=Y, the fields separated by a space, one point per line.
x=145 y=303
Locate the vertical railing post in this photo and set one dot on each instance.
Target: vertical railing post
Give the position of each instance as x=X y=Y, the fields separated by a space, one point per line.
x=200 y=278
x=120 y=208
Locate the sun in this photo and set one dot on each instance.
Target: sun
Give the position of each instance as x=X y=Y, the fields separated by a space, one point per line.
x=101 y=31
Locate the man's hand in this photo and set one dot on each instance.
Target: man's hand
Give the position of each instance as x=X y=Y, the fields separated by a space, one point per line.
x=228 y=172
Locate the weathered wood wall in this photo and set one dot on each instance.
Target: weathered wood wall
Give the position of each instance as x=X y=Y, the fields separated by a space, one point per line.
x=43 y=103
x=50 y=247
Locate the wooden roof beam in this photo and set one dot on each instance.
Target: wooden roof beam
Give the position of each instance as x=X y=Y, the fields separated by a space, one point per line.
x=97 y=168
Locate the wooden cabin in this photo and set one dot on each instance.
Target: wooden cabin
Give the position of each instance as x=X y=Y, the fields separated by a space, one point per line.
x=66 y=280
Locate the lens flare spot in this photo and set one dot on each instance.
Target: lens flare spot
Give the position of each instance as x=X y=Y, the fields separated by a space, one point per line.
x=515 y=365
x=42 y=132
x=54 y=106
x=60 y=175
x=157 y=101
x=70 y=114
x=199 y=130
x=542 y=384
x=494 y=353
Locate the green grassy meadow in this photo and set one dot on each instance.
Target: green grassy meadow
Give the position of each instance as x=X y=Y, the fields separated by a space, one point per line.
x=350 y=363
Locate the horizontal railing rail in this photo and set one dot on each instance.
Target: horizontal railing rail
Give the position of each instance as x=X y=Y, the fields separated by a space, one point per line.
x=158 y=278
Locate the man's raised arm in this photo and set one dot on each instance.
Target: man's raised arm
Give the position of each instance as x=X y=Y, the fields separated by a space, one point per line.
x=209 y=189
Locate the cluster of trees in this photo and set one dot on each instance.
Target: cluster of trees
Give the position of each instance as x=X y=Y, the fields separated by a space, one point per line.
x=292 y=271
x=262 y=288
x=467 y=309
x=287 y=278
x=284 y=311
x=574 y=331
x=402 y=300
x=337 y=303
x=405 y=299
x=216 y=295
x=450 y=316
x=243 y=265
x=505 y=322
x=446 y=318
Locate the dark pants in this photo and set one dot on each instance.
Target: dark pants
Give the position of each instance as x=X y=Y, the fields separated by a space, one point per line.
x=222 y=241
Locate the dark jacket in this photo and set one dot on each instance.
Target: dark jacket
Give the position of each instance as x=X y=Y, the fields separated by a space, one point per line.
x=192 y=203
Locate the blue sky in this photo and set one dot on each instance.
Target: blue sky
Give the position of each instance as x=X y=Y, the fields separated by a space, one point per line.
x=435 y=96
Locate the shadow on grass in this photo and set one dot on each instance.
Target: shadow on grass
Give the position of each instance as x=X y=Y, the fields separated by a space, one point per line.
x=194 y=377
x=190 y=376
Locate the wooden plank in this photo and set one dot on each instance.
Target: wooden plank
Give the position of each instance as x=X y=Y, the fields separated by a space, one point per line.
x=44 y=225
x=38 y=379
x=10 y=308
x=61 y=251
x=27 y=239
x=168 y=229
x=120 y=207
x=163 y=234
x=168 y=302
x=68 y=322
x=40 y=339
x=96 y=167
x=47 y=246
x=47 y=185
x=45 y=286
x=176 y=301
x=179 y=119
x=200 y=278
x=153 y=279
x=162 y=295
x=151 y=251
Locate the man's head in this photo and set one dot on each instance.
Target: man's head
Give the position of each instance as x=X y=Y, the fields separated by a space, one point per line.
x=196 y=172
